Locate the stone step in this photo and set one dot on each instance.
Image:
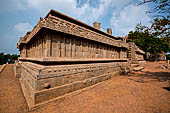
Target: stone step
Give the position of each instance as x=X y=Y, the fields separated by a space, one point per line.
x=135 y=65
x=138 y=68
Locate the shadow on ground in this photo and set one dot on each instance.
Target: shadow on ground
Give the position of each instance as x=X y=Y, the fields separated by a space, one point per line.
x=153 y=76
x=160 y=76
x=166 y=88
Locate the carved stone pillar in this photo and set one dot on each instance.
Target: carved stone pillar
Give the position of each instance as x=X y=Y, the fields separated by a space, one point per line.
x=77 y=54
x=81 y=49
x=24 y=51
x=62 y=42
x=54 y=46
x=33 y=50
x=43 y=46
x=73 y=47
x=47 y=46
x=94 y=48
x=68 y=47
x=41 y=54
x=38 y=48
x=86 y=50
x=89 y=49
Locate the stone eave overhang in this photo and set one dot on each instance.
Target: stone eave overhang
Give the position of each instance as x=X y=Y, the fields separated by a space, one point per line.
x=67 y=60
x=58 y=24
x=21 y=42
x=75 y=21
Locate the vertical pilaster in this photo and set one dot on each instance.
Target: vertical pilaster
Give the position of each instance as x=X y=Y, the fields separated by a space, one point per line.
x=94 y=49
x=67 y=44
x=58 y=45
x=100 y=50
x=73 y=47
x=33 y=52
x=81 y=48
x=86 y=50
x=62 y=41
x=35 y=48
x=110 y=52
x=38 y=52
x=23 y=53
x=54 y=45
x=40 y=47
x=30 y=49
x=77 y=49
x=43 y=46
x=47 y=46
x=90 y=50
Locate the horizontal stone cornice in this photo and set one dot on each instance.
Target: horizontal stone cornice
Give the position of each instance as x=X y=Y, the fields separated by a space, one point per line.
x=58 y=24
x=54 y=59
x=64 y=26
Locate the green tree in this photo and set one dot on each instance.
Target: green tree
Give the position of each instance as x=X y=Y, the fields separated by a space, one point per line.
x=149 y=43
x=160 y=26
x=154 y=39
x=4 y=58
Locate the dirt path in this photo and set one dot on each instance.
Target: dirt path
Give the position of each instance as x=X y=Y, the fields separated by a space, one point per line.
x=143 y=92
x=11 y=97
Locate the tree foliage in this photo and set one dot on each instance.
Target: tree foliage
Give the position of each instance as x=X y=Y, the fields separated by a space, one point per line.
x=160 y=6
x=168 y=57
x=150 y=44
x=4 y=58
x=154 y=39
x=160 y=26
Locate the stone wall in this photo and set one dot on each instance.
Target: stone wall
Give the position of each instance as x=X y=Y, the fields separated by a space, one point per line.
x=55 y=44
x=47 y=82
x=61 y=55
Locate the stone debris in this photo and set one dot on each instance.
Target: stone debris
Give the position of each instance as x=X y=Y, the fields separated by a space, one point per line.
x=163 y=66
x=138 y=68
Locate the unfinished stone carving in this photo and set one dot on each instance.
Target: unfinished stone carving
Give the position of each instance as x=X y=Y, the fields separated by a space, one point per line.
x=61 y=55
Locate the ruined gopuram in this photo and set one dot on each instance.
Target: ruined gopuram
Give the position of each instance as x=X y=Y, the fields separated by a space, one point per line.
x=61 y=55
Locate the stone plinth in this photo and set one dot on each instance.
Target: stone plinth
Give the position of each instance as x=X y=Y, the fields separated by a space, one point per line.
x=17 y=70
x=43 y=83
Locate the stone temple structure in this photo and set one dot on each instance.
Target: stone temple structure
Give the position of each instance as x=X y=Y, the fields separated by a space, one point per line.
x=61 y=55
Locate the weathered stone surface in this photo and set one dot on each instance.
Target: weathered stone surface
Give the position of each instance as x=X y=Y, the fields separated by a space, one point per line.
x=17 y=70
x=61 y=55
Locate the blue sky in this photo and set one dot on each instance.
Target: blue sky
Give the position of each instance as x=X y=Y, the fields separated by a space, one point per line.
x=19 y=16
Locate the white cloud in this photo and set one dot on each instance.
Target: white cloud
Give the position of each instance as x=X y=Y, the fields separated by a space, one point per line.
x=22 y=28
x=12 y=5
x=86 y=12
x=126 y=20
x=66 y=6
x=124 y=16
x=119 y=14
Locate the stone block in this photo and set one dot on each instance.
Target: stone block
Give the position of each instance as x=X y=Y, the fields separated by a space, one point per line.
x=48 y=94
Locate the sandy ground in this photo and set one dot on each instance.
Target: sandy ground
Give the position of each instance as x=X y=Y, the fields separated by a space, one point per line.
x=11 y=96
x=140 y=92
